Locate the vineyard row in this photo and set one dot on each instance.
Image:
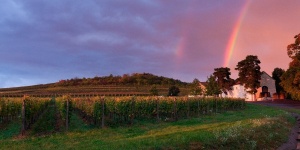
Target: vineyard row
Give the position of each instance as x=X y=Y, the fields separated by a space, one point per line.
x=50 y=95
x=28 y=109
x=112 y=111
x=127 y=110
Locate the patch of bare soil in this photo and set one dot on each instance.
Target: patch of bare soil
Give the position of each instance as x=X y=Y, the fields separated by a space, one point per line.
x=195 y=146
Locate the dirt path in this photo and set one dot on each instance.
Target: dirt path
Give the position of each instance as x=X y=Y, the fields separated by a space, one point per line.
x=292 y=142
x=280 y=103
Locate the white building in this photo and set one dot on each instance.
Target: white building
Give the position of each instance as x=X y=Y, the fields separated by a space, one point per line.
x=264 y=92
x=238 y=91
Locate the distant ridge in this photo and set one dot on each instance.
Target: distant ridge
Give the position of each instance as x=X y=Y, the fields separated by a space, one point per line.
x=128 y=84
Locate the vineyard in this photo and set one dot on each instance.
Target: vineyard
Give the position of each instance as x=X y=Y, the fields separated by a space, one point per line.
x=53 y=90
x=104 y=90
x=128 y=110
x=136 y=122
x=109 y=111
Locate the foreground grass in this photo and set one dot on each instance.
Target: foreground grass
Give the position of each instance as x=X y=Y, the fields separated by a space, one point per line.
x=256 y=127
x=10 y=130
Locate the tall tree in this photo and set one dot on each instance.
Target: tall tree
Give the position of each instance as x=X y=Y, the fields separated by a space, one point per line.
x=291 y=78
x=276 y=74
x=249 y=73
x=224 y=81
x=195 y=87
x=212 y=87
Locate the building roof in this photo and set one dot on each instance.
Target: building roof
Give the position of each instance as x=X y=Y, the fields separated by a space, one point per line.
x=267 y=74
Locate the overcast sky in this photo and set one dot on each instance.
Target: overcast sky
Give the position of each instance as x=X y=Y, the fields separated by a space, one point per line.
x=44 y=41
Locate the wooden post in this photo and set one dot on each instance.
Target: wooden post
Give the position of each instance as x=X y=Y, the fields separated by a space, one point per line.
x=216 y=106
x=157 y=109
x=67 y=115
x=198 y=108
x=102 y=121
x=23 y=117
x=132 y=111
x=207 y=107
x=188 y=103
x=174 y=110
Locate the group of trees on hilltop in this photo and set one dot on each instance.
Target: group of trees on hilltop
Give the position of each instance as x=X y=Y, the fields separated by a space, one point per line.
x=137 y=79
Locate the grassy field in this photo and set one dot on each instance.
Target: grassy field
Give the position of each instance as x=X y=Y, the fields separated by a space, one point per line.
x=256 y=127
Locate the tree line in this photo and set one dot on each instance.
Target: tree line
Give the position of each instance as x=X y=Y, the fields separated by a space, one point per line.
x=136 y=79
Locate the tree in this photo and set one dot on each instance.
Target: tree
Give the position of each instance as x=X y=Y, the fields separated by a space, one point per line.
x=173 y=91
x=290 y=80
x=294 y=48
x=154 y=91
x=276 y=74
x=195 y=87
x=212 y=87
x=224 y=81
x=249 y=73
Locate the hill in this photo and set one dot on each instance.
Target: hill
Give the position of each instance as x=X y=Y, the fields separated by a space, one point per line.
x=134 y=84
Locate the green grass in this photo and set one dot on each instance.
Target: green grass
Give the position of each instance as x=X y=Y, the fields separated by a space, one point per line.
x=256 y=127
x=10 y=130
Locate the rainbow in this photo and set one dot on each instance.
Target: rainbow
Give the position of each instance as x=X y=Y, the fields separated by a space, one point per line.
x=180 y=47
x=233 y=37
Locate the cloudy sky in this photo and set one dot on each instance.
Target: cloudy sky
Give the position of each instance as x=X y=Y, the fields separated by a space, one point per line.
x=44 y=41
